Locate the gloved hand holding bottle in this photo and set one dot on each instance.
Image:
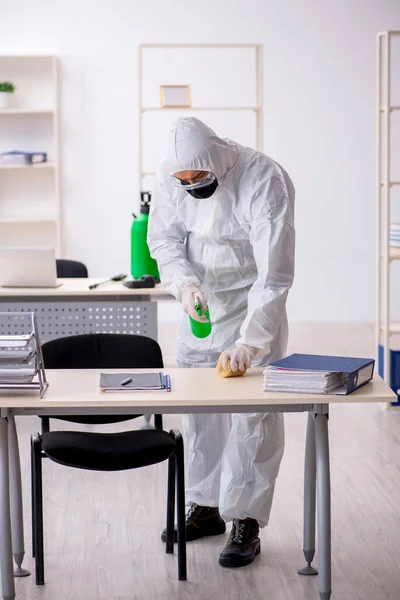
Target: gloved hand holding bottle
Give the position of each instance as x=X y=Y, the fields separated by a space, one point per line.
x=190 y=296
x=195 y=305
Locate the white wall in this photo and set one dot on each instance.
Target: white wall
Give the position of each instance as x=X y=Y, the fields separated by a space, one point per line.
x=319 y=122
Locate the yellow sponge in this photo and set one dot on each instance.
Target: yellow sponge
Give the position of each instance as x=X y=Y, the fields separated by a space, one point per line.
x=229 y=372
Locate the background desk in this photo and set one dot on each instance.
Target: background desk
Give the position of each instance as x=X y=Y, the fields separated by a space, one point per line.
x=193 y=391
x=72 y=308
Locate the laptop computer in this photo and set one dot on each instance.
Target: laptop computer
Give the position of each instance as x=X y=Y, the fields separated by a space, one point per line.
x=28 y=267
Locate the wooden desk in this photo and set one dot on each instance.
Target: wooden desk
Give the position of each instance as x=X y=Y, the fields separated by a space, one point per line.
x=193 y=390
x=72 y=308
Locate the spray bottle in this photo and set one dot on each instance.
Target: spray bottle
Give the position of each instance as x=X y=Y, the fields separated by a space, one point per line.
x=200 y=330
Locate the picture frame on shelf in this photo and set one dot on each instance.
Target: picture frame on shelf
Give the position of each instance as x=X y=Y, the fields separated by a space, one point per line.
x=175 y=96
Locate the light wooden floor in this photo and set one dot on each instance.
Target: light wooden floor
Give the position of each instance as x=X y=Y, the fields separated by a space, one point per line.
x=102 y=529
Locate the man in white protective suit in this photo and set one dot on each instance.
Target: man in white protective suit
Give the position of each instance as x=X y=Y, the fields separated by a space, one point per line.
x=222 y=230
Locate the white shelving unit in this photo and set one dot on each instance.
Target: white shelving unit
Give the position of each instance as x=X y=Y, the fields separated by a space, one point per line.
x=386 y=254
x=30 y=194
x=252 y=53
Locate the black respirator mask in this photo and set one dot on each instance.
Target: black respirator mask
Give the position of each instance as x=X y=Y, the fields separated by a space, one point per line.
x=198 y=189
x=205 y=191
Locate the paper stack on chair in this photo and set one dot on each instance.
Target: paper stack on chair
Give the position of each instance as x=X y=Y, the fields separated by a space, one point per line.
x=313 y=374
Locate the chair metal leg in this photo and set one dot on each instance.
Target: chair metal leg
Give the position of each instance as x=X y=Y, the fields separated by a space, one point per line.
x=169 y=547
x=180 y=489
x=158 y=421
x=38 y=516
x=33 y=506
x=45 y=424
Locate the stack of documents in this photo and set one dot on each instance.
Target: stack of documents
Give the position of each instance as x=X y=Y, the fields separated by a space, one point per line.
x=135 y=382
x=10 y=375
x=395 y=235
x=16 y=357
x=21 y=360
x=15 y=341
x=15 y=360
x=313 y=374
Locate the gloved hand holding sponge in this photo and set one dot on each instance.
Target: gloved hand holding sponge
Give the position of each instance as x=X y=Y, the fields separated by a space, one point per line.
x=233 y=363
x=236 y=362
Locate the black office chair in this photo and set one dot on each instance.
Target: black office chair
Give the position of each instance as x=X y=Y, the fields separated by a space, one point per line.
x=107 y=451
x=70 y=268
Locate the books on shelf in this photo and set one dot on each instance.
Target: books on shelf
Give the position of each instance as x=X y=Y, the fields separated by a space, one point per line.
x=314 y=374
x=394 y=235
x=18 y=157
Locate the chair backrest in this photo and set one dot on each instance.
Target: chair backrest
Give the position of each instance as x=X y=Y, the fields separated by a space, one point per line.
x=102 y=351
x=70 y=268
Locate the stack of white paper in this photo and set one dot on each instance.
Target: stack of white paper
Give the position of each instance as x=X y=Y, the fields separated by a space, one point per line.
x=16 y=357
x=17 y=375
x=277 y=379
x=14 y=354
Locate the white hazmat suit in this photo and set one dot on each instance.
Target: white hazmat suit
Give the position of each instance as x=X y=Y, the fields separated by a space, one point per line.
x=237 y=246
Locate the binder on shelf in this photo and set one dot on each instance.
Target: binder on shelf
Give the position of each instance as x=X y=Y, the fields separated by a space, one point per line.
x=315 y=374
x=395 y=235
x=18 y=157
x=21 y=358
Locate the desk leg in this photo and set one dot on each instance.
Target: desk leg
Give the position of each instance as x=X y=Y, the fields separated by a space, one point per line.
x=310 y=475
x=17 y=519
x=147 y=424
x=6 y=561
x=324 y=506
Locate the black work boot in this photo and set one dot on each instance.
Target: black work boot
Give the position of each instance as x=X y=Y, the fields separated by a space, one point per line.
x=200 y=522
x=243 y=544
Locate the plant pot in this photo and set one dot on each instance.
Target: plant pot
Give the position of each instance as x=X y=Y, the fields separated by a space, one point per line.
x=5 y=100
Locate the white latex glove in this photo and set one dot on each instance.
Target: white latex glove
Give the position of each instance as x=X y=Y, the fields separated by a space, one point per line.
x=241 y=357
x=190 y=294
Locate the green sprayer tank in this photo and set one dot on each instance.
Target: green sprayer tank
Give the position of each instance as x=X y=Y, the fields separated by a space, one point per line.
x=141 y=261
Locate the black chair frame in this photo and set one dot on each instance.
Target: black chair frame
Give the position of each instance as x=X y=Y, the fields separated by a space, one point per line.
x=176 y=484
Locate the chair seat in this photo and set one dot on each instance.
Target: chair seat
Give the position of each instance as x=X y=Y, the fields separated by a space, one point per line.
x=108 y=451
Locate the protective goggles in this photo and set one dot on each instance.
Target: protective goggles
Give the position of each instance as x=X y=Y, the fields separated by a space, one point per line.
x=210 y=178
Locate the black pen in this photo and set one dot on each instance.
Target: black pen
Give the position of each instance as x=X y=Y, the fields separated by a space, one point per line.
x=126 y=381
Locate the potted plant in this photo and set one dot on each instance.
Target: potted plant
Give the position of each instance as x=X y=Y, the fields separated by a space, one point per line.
x=6 y=89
